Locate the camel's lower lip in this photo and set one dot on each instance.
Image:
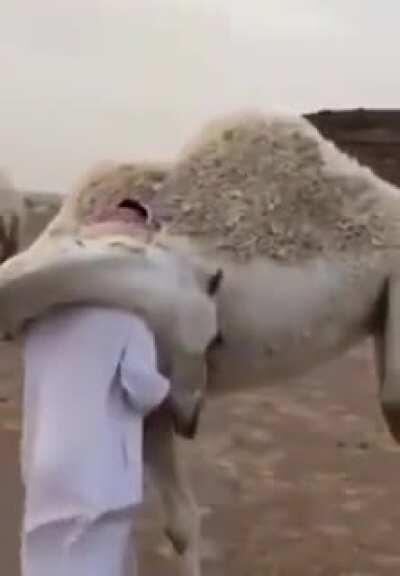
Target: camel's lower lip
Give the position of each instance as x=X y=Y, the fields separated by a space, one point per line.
x=120 y=228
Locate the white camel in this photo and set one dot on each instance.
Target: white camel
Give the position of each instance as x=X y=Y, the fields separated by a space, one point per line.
x=308 y=242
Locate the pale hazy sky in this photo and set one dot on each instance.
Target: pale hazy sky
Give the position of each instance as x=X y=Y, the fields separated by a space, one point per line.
x=84 y=81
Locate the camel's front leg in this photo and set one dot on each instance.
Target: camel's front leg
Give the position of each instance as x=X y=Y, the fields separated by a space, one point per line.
x=188 y=376
x=388 y=359
x=181 y=511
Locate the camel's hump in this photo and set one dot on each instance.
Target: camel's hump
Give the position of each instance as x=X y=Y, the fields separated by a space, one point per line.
x=257 y=185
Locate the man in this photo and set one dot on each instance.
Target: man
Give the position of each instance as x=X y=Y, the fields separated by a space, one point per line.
x=90 y=378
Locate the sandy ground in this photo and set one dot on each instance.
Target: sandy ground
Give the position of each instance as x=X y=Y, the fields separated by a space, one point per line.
x=301 y=480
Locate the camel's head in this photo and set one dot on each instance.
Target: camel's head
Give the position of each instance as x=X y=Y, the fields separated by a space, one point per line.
x=121 y=257
x=110 y=194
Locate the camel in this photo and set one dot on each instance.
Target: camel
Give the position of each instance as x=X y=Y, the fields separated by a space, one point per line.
x=303 y=247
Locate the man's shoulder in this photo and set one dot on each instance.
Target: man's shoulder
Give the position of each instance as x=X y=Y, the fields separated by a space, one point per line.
x=97 y=313
x=110 y=322
x=89 y=314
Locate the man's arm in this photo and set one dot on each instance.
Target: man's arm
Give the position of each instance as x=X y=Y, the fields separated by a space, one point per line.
x=145 y=386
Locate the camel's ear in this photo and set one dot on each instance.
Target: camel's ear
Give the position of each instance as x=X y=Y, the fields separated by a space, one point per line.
x=214 y=282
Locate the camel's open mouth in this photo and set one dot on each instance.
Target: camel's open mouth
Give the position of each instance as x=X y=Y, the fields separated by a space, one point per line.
x=128 y=210
x=137 y=209
x=129 y=218
x=141 y=212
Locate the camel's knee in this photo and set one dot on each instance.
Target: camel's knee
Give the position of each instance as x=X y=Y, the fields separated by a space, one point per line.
x=183 y=530
x=183 y=525
x=179 y=541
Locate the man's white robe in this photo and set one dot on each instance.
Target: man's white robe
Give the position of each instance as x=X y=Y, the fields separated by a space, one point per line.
x=90 y=378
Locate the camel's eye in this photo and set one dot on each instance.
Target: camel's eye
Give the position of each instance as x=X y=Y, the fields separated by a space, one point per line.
x=138 y=208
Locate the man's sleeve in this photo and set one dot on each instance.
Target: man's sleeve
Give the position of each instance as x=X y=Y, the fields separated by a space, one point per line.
x=145 y=386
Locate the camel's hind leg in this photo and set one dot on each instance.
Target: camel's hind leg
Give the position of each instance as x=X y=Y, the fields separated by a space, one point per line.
x=181 y=511
x=387 y=345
